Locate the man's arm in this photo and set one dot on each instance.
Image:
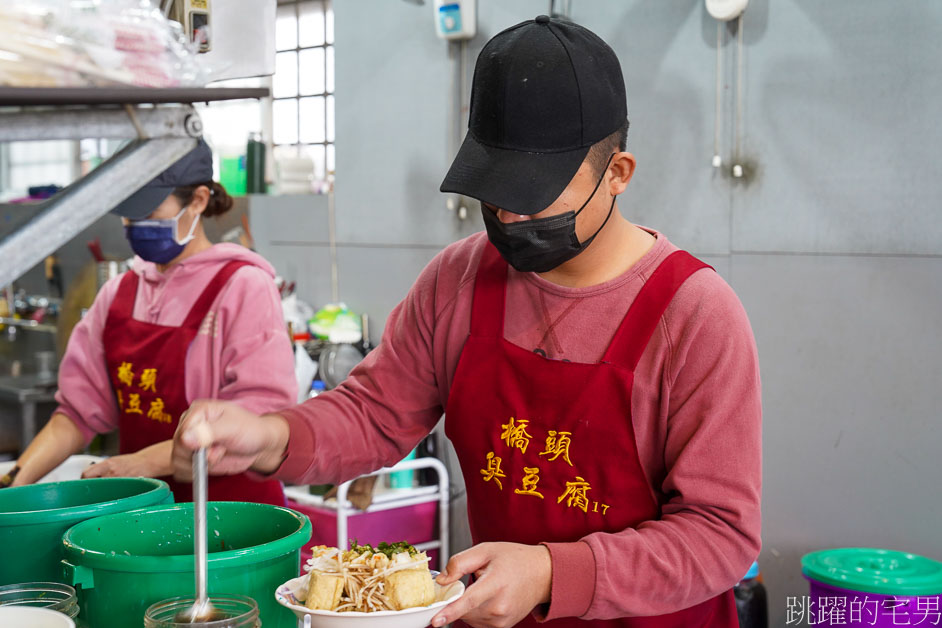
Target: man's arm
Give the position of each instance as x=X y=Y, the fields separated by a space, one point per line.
x=383 y=409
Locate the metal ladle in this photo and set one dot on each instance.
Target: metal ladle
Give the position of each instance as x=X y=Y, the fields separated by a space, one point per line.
x=202 y=610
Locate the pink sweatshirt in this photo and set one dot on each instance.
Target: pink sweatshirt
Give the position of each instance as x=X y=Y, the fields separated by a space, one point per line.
x=246 y=359
x=695 y=407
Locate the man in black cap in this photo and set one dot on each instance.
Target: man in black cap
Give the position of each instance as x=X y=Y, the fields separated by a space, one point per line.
x=600 y=386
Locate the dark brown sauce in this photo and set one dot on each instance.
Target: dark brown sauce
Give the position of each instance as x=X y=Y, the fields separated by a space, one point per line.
x=215 y=615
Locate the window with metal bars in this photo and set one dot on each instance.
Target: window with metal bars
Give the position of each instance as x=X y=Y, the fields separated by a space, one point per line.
x=27 y=164
x=303 y=83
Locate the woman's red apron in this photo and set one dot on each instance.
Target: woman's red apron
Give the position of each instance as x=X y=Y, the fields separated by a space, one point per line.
x=547 y=447
x=146 y=366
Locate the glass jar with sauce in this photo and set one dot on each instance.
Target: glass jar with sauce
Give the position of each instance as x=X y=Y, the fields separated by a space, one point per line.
x=232 y=611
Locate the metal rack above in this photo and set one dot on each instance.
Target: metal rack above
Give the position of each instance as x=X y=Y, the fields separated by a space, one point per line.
x=34 y=96
x=161 y=124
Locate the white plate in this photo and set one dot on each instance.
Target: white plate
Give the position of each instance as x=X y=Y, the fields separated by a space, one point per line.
x=70 y=469
x=417 y=617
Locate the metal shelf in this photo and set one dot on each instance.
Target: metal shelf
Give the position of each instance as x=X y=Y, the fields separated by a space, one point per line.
x=160 y=135
x=37 y=96
x=26 y=323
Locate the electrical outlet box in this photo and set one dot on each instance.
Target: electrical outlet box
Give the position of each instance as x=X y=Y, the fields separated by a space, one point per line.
x=198 y=24
x=241 y=35
x=455 y=19
x=196 y=18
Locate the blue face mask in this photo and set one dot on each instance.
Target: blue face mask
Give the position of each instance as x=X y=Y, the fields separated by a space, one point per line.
x=156 y=240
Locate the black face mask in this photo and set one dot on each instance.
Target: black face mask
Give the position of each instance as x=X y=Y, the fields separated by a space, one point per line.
x=541 y=244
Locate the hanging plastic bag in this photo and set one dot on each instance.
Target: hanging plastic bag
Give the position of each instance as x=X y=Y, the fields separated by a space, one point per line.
x=78 y=43
x=335 y=323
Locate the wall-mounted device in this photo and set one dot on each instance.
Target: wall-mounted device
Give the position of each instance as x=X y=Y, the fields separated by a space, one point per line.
x=726 y=10
x=195 y=16
x=456 y=19
x=237 y=37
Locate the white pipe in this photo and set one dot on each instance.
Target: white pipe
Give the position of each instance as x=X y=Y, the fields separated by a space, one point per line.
x=332 y=239
x=718 y=114
x=737 y=168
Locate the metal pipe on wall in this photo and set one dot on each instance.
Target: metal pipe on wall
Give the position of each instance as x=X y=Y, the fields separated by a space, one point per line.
x=458 y=110
x=740 y=51
x=718 y=114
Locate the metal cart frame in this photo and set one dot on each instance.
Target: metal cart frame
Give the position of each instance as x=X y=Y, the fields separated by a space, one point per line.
x=389 y=501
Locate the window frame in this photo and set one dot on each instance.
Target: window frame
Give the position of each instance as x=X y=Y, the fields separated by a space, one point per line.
x=329 y=44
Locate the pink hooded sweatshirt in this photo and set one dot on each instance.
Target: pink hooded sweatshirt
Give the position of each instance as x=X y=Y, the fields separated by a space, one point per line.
x=246 y=358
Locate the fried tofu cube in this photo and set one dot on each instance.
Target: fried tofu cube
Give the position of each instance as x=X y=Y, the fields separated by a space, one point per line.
x=410 y=588
x=323 y=591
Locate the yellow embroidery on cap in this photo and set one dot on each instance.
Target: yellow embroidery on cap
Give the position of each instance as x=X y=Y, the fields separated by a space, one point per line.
x=530 y=480
x=557 y=444
x=493 y=471
x=515 y=435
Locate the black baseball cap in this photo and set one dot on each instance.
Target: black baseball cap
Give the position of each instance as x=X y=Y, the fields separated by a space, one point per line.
x=194 y=167
x=544 y=91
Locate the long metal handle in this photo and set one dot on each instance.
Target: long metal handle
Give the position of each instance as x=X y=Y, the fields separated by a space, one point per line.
x=199 y=524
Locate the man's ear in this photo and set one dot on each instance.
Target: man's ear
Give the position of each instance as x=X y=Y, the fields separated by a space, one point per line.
x=622 y=169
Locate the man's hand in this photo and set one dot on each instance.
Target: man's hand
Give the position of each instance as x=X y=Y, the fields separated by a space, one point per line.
x=237 y=440
x=511 y=580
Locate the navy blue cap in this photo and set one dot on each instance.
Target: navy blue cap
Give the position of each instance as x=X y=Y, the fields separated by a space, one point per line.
x=194 y=167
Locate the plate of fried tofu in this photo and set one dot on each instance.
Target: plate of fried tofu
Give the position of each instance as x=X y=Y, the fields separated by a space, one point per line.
x=389 y=586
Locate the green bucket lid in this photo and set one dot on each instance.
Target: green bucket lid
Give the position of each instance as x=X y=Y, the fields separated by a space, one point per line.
x=871 y=570
x=160 y=538
x=74 y=500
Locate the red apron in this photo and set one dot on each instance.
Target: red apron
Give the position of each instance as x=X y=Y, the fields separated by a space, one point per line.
x=146 y=366
x=547 y=447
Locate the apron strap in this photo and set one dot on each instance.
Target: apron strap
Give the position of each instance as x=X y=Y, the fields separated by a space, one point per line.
x=122 y=307
x=487 y=304
x=206 y=299
x=645 y=313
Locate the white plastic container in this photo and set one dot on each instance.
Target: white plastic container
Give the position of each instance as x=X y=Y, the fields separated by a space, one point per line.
x=33 y=617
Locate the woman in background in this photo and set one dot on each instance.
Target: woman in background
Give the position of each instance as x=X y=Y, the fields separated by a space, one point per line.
x=191 y=320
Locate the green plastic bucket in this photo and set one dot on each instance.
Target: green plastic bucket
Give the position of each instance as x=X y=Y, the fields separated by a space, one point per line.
x=885 y=588
x=33 y=519
x=123 y=563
